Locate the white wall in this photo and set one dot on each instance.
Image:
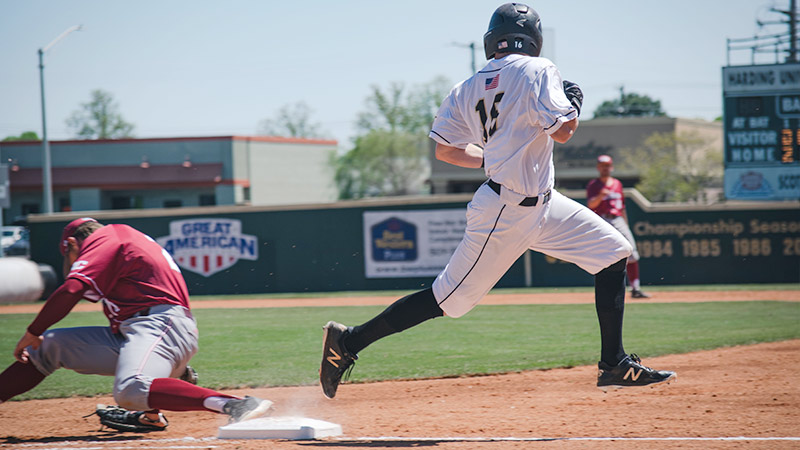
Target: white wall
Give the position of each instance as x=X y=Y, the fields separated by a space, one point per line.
x=282 y=173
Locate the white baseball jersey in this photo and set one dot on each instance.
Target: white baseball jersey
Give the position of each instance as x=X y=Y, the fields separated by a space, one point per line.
x=510 y=108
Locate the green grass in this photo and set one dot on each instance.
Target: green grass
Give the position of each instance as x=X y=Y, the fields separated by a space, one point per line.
x=282 y=346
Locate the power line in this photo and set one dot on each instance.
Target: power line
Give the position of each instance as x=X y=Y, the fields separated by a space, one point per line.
x=781 y=43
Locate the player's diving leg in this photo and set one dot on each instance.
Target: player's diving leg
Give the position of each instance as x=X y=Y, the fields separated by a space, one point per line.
x=156 y=350
x=17 y=379
x=87 y=350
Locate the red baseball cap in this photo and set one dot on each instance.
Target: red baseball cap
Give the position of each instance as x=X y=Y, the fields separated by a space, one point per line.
x=605 y=159
x=69 y=231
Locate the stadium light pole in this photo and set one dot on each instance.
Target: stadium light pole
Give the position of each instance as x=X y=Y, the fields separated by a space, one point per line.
x=47 y=182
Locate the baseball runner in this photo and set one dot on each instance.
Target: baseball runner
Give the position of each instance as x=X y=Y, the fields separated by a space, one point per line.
x=505 y=119
x=604 y=196
x=150 y=340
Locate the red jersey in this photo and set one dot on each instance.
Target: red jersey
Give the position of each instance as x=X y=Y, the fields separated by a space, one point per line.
x=128 y=271
x=614 y=203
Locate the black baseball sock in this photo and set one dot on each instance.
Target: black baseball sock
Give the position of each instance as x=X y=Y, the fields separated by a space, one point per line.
x=405 y=313
x=609 y=299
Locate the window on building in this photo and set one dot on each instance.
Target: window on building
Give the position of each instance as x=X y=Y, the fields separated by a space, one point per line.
x=127 y=202
x=63 y=204
x=30 y=208
x=172 y=203
x=246 y=193
x=121 y=202
x=208 y=200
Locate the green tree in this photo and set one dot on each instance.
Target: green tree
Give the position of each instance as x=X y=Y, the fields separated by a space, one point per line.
x=400 y=109
x=25 y=136
x=292 y=120
x=383 y=162
x=390 y=155
x=677 y=168
x=99 y=119
x=629 y=105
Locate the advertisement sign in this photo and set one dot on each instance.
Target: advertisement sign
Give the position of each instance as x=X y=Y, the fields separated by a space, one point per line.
x=401 y=244
x=762 y=131
x=758 y=183
x=208 y=246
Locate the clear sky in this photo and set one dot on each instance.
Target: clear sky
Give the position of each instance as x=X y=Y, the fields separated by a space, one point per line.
x=200 y=68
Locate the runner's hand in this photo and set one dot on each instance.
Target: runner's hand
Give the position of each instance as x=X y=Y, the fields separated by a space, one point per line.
x=28 y=339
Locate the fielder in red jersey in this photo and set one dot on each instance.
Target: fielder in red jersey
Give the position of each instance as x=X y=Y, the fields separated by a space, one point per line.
x=147 y=346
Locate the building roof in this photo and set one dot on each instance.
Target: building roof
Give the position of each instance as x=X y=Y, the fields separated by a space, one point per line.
x=275 y=139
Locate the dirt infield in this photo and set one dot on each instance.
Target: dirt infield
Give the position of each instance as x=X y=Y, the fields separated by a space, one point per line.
x=720 y=396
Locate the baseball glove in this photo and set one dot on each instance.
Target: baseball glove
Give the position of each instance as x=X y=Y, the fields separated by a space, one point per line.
x=190 y=375
x=123 y=420
x=574 y=94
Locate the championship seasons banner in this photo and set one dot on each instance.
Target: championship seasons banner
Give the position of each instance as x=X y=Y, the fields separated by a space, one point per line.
x=408 y=244
x=207 y=246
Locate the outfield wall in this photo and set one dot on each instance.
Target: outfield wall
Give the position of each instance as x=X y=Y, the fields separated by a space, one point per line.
x=401 y=243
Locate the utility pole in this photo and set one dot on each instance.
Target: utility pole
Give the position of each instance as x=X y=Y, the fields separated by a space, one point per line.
x=792 y=15
x=47 y=181
x=792 y=31
x=771 y=43
x=470 y=46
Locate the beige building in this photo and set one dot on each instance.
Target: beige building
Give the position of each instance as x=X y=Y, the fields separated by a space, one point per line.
x=170 y=172
x=575 y=161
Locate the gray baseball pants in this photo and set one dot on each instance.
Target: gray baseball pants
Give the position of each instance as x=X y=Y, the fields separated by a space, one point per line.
x=157 y=345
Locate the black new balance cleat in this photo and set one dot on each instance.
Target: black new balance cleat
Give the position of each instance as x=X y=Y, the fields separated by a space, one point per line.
x=336 y=360
x=630 y=372
x=637 y=293
x=240 y=409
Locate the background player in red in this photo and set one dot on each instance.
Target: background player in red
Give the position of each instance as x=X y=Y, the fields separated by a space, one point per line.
x=604 y=196
x=151 y=337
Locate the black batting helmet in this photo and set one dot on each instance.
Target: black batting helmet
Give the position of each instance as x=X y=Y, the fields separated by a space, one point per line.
x=514 y=28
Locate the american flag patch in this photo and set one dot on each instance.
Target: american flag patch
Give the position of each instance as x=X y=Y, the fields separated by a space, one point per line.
x=491 y=83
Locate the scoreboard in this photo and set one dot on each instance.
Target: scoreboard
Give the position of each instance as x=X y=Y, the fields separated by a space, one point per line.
x=762 y=131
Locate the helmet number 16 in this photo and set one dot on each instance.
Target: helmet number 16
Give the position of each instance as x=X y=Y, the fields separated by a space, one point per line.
x=488 y=121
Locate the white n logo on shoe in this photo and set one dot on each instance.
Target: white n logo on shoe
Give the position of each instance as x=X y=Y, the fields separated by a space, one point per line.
x=630 y=373
x=336 y=357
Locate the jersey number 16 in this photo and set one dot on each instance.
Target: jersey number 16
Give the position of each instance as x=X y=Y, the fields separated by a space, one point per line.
x=488 y=122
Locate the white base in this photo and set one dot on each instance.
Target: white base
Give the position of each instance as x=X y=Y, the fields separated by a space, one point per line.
x=280 y=428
